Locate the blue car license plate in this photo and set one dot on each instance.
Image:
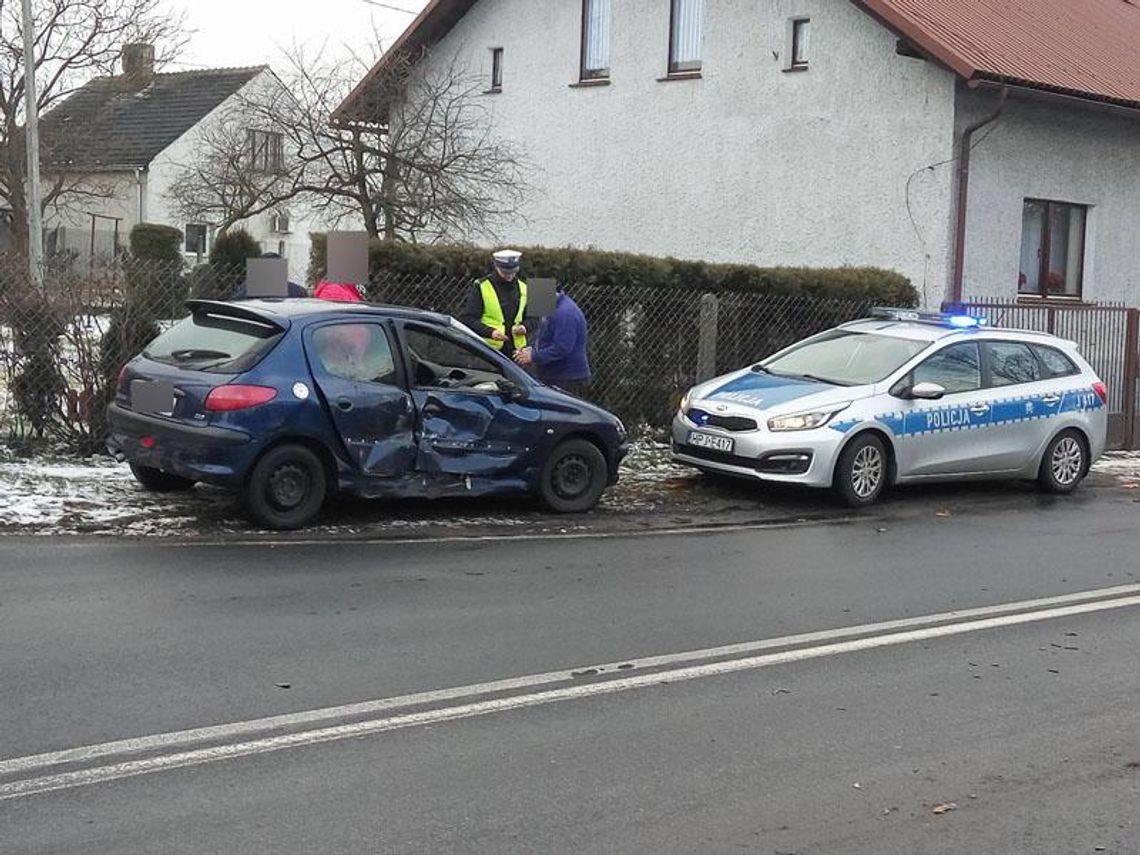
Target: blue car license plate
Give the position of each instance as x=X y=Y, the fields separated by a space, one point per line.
x=711 y=441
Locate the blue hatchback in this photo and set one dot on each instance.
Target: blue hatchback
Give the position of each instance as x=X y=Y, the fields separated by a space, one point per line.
x=289 y=400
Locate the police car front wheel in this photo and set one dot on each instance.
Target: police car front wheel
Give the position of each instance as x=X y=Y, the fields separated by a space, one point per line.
x=862 y=471
x=1064 y=464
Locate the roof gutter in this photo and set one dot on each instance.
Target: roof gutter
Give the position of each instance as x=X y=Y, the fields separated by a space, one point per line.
x=967 y=144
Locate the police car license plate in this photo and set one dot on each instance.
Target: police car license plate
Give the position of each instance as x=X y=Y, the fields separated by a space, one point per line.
x=711 y=441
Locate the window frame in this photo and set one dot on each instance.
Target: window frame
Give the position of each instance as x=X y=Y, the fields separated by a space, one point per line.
x=588 y=75
x=1039 y=349
x=496 y=71
x=907 y=381
x=273 y=149
x=988 y=344
x=205 y=227
x=676 y=69
x=394 y=350
x=1046 y=246
x=794 y=41
x=506 y=369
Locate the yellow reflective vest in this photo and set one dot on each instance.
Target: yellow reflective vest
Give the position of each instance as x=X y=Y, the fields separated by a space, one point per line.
x=493 y=314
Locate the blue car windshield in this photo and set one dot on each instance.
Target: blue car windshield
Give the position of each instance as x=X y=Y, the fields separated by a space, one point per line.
x=845 y=358
x=215 y=343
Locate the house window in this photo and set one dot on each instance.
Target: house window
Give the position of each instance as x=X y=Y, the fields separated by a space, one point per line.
x=279 y=223
x=497 y=69
x=197 y=238
x=596 y=39
x=1052 y=249
x=800 y=40
x=685 y=22
x=266 y=151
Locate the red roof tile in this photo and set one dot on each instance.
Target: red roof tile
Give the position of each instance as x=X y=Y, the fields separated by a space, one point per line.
x=1087 y=48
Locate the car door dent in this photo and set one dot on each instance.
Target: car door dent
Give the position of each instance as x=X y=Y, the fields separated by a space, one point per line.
x=473 y=433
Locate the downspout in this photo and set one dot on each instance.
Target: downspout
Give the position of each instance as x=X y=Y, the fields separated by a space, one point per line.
x=964 y=194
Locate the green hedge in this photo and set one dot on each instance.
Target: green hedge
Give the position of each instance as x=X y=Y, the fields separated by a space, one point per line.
x=615 y=268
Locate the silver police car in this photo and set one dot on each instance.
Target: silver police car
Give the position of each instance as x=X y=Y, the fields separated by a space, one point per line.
x=901 y=397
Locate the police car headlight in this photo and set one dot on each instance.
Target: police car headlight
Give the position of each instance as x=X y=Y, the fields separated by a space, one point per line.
x=685 y=400
x=804 y=421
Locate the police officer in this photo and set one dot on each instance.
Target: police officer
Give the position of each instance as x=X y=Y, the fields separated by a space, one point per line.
x=496 y=305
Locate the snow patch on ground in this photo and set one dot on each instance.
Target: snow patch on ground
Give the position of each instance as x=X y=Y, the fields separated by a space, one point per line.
x=54 y=496
x=50 y=496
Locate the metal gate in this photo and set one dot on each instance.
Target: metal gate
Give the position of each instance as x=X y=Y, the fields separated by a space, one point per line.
x=1106 y=336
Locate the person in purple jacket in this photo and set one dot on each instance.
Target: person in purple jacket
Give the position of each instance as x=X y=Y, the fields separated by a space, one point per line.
x=559 y=353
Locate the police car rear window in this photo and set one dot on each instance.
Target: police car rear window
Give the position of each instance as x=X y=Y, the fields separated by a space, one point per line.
x=1055 y=362
x=215 y=343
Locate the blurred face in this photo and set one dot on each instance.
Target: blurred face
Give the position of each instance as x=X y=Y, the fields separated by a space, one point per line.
x=506 y=275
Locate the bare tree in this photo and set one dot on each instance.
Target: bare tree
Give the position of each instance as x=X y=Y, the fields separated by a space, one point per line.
x=75 y=40
x=432 y=168
x=227 y=181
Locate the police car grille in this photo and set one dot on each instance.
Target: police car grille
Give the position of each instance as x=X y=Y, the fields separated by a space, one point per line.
x=730 y=423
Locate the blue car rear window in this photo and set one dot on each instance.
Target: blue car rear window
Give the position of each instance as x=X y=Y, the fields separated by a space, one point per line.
x=214 y=343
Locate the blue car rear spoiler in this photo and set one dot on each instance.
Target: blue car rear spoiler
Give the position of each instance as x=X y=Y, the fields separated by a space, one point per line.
x=235 y=310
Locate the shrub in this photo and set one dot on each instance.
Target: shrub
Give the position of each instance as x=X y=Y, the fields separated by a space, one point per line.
x=228 y=260
x=593 y=267
x=155 y=285
x=38 y=385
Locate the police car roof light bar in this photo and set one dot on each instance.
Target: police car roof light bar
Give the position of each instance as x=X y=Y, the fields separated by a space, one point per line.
x=944 y=319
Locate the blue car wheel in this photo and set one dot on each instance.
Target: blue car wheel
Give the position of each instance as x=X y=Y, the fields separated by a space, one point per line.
x=286 y=488
x=574 y=477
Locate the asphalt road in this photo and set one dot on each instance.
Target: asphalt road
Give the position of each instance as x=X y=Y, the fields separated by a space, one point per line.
x=630 y=728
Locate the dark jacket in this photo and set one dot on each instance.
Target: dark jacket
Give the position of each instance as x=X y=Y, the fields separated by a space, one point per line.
x=295 y=290
x=560 y=350
x=472 y=316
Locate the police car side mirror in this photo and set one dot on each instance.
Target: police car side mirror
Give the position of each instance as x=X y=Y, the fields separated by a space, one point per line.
x=927 y=391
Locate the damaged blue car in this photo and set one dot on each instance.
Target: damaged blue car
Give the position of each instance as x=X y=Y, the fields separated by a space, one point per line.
x=288 y=401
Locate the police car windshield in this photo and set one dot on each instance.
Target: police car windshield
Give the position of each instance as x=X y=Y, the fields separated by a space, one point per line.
x=845 y=358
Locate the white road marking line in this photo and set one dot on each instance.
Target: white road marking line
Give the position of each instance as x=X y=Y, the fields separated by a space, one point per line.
x=244 y=729
x=181 y=759
x=325 y=715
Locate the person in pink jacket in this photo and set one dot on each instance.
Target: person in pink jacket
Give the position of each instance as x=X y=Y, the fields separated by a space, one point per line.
x=341 y=292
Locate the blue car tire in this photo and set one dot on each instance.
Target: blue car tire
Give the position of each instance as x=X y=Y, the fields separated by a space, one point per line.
x=574 y=477
x=286 y=488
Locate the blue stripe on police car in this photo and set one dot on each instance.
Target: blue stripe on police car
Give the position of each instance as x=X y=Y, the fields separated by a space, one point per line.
x=1004 y=412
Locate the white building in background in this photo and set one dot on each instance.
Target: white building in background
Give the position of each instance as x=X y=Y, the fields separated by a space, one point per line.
x=135 y=132
x=818 y=132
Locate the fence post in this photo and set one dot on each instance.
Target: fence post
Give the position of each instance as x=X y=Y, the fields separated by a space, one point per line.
x=1131 y=369
x=706 y=338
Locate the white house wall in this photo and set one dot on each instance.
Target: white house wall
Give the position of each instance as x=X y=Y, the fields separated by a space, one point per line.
x=164 y=170
x=73 y=223
x=1064 y=153
x=749 y=163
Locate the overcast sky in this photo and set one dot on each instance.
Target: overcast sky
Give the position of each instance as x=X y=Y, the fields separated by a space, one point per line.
x=252 y=32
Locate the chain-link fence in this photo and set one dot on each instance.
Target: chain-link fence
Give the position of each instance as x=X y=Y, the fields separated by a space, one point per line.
x=61 y=349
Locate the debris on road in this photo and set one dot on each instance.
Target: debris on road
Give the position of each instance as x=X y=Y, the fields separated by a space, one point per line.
x=945 y=807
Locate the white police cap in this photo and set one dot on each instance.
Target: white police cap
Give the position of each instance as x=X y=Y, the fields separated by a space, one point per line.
x=508 y=259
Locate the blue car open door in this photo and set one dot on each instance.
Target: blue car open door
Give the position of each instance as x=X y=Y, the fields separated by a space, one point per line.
x=355 y=371
x=473 y=422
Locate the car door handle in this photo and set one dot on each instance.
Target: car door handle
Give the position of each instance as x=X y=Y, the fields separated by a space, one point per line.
x=343 y=404
x=1051 y=400
x=980 y=409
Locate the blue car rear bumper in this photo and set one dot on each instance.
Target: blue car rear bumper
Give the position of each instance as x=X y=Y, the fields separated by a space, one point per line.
x=212 y=454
